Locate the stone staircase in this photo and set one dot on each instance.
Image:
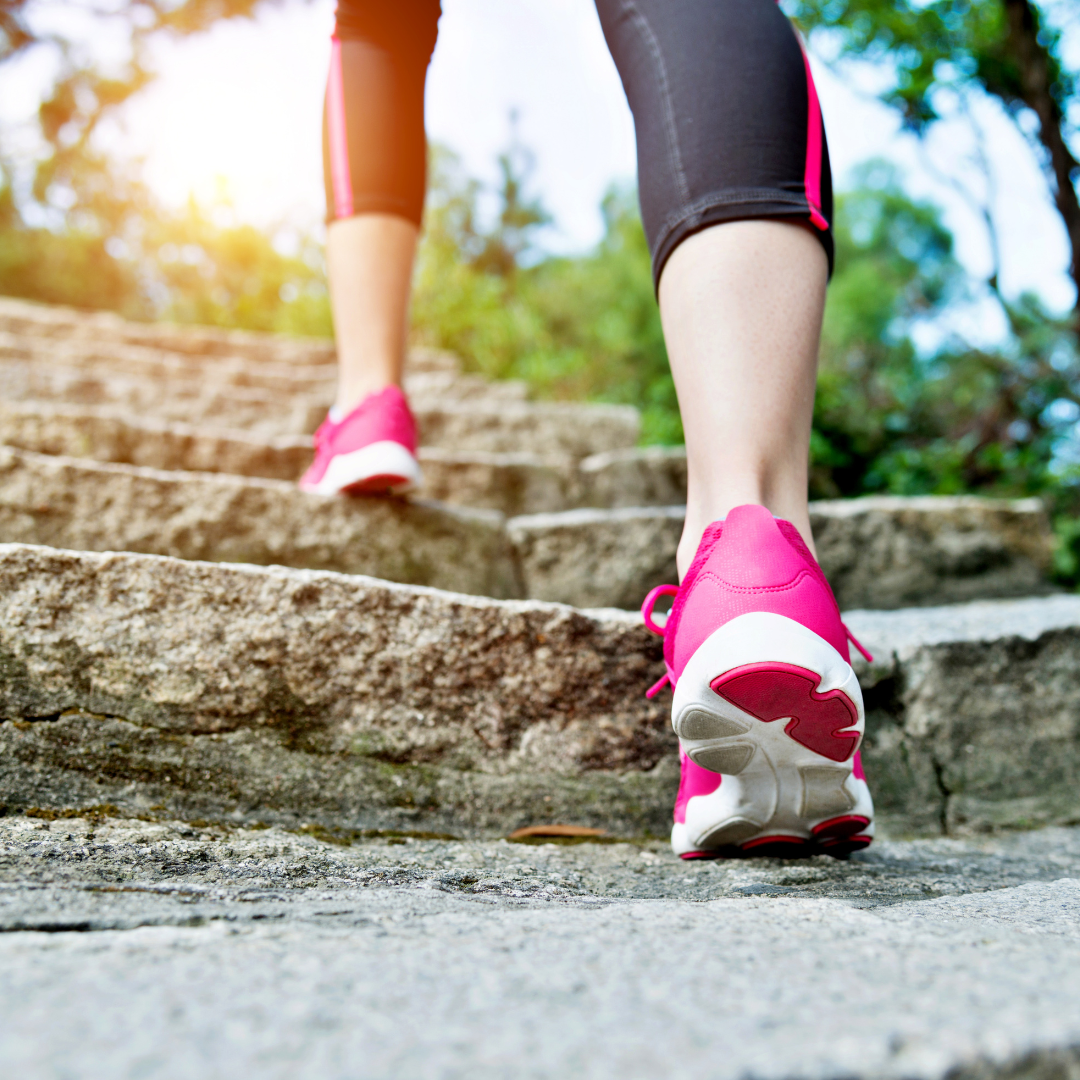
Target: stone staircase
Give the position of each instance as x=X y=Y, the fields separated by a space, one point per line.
x=185 y=632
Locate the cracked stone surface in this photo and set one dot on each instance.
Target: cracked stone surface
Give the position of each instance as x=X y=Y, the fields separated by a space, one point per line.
x=171 y=949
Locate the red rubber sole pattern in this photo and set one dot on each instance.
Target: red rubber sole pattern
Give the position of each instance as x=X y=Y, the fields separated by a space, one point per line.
x=791 y=847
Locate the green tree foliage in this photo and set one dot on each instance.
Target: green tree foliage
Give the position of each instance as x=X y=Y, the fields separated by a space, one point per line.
x=960 y=420
x=68 y=267
x=71 y=179
x=233 y=275
x=945 y=50
x=584 y=327
x=192 y=266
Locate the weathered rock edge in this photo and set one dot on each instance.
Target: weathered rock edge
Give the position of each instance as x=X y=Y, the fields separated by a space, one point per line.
x=276 y=693
x=88 y=506
x=885 y=551
x=973 y=712
x=219 y=689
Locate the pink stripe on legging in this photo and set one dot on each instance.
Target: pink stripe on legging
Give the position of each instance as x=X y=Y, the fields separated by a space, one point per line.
x=812 y=178
x=340 y=177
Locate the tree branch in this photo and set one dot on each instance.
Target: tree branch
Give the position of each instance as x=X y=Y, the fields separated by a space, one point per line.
x=1036 y=91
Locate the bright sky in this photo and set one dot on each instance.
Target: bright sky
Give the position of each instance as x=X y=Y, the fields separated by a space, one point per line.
x=244 y=103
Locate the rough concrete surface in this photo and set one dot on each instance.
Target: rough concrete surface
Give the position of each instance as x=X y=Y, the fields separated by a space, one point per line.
x=893 y=552
x=71 y=503
x=289 y=695
x=165 y=949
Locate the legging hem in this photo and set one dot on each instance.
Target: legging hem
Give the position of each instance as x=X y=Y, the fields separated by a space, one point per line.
x=375 y=205
x=735 y=210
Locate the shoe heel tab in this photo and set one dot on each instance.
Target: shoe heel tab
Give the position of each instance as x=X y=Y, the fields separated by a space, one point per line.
x=754 y=526
x=756 y=550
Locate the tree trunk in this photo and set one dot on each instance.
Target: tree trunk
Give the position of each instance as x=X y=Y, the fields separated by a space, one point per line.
x=1033 y=63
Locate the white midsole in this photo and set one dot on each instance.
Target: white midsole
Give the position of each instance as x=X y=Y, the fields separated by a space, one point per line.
x=780 y=786
x=384 y=458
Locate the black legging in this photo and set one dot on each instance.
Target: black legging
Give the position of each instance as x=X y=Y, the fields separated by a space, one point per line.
x=727 y=117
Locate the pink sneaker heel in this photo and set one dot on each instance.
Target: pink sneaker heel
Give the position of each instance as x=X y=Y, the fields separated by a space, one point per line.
x=765 y=703
x=370 y=451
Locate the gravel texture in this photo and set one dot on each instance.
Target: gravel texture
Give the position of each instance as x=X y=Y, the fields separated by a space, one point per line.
x=170 y=949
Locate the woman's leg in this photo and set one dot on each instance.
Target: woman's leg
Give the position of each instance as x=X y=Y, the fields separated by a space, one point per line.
x=741 y=305
x=735 y=198
x=375 y=160
x=370 y=262
x=375 y=163
x=736 y=195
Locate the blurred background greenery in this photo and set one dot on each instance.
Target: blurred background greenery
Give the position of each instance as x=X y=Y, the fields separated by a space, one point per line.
x=904 y=404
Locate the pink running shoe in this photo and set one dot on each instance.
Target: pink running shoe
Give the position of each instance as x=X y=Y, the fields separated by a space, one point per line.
x=371 y=450
x=755 y=637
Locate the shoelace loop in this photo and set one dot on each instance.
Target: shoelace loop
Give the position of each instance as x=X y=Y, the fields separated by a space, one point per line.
x=647 y=614
x=659 y=685
x=650 y=602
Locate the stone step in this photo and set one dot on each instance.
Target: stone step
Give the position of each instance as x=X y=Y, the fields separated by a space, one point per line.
x=60 y=325
x=547 y=428
x=510 y=483
x=70 y=503
x=635 y=476
x=597 y=558
x=973 y=713
x=513 y=483
x=26 y=360
x=252 y=409
x=878 y=552
x=893 y=551
x=589 y=557
x=118 y=437
x=286 y=695
x=217 y=687
x=477 y=423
